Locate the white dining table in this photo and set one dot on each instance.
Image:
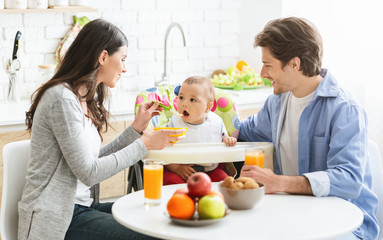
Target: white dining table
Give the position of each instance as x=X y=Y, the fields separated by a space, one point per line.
x=277 y=216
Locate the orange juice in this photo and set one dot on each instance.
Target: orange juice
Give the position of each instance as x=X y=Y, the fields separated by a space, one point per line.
x=255 y=157
x=153 y=177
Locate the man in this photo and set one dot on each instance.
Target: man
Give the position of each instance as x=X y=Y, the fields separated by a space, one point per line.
x=318 y=130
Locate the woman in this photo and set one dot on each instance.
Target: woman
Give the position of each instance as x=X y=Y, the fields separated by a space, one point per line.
x=65 y=120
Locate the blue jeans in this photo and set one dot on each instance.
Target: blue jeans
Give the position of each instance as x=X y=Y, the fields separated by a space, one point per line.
x=97 y=223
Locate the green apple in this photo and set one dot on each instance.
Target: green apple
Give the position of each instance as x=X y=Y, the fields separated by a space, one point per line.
x=210 y=207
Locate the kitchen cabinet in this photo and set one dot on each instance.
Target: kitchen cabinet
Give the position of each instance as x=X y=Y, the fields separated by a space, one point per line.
x=116 y=185
x=245 y=113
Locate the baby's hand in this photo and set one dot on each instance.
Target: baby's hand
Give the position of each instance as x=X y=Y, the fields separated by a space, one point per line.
x=230 y=141
x=185 y=171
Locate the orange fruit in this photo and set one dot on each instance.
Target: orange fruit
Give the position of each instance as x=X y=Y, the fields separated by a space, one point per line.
x=181 y=206
x=216 y=193
x=241 y=64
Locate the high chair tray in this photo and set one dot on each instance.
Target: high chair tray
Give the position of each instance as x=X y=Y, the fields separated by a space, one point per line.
x=189 y=153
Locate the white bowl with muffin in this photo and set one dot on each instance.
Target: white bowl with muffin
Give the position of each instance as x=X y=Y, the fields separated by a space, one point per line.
x=242 y=193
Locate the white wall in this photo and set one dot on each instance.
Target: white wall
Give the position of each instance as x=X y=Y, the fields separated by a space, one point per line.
x=353 y=44
x=352 y=32
x=254 y=14
x=211 y=28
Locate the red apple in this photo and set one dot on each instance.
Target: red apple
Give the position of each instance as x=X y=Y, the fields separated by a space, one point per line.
x=182 y=190
x=199 y=184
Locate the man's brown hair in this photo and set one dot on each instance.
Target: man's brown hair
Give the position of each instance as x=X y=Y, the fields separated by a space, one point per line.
x=293 y=37
x=204 y=82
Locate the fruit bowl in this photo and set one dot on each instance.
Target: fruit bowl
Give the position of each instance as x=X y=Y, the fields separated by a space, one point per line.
x=197 y=204
x=195 y=221
x=238 y=77
x=171 y=128
x=242 y=199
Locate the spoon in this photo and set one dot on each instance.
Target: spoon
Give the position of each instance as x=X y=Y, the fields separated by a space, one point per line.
x=169 y=109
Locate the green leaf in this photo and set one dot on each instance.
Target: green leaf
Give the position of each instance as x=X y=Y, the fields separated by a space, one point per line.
x=237 y=87
x=246 y=78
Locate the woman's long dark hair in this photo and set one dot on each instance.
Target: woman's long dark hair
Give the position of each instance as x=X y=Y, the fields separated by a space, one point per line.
x=80 y=67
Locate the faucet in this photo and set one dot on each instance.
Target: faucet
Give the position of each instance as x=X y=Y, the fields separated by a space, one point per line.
x=164 y=79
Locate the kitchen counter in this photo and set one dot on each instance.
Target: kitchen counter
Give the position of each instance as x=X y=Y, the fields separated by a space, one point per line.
x=12 y=114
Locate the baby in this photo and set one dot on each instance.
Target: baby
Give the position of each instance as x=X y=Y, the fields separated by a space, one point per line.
x=195 y=100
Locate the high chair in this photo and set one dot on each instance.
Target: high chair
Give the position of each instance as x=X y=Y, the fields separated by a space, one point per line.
x=224 y=107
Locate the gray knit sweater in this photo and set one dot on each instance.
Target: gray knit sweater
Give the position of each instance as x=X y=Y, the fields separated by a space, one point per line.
x=60 y=155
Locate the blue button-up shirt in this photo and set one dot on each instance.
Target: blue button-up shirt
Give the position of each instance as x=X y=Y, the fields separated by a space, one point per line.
x=332 y=150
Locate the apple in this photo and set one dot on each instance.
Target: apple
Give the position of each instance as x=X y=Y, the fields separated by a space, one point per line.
x=216 y=193
x=182 y=190
x=210 y=207
x=199 y=184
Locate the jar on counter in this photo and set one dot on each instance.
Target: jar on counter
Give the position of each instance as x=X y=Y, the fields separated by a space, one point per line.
x=58 y=2
x=16 y=4
x=79 y=2
x=40 y=4
x=46 y=72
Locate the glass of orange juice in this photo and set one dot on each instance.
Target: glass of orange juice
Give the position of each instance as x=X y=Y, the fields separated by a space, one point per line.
x=153 y=178
x=254 y=156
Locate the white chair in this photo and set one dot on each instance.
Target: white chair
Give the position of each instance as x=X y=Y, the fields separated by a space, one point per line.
x=377 y=180
x=15 y=158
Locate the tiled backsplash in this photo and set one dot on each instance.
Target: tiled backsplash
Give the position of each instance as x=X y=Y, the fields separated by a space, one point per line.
x=211 y=31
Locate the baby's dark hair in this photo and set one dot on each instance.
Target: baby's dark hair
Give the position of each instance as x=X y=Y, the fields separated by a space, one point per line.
x=205 y=82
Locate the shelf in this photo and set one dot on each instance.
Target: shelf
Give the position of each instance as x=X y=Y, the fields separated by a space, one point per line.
x=55 y=9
